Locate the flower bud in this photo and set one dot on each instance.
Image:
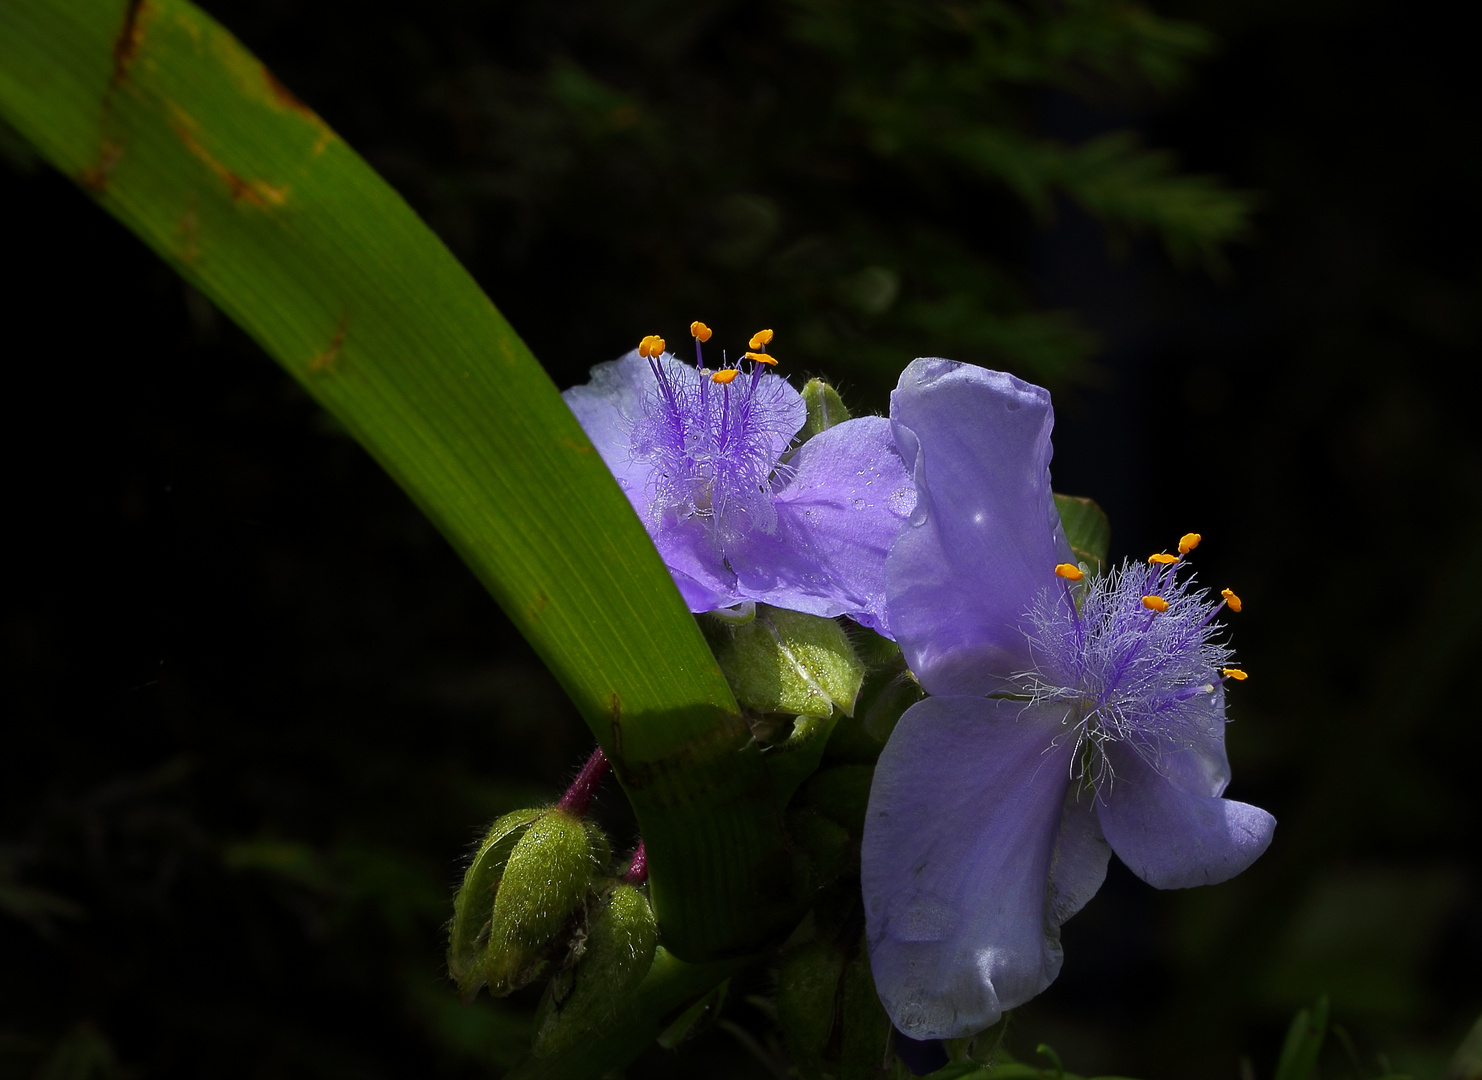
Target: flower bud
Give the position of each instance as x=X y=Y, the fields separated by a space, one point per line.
x=468 y=935
x=545 y=881
x=617 y=954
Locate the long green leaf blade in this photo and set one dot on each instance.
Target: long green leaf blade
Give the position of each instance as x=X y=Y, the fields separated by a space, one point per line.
x=183 y=135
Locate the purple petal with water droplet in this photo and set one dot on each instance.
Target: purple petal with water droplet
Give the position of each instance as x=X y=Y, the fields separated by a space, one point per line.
x=847 y=500
x=985 y=536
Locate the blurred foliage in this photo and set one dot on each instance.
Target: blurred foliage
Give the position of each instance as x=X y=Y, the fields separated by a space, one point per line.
x=858 y=173
x=256 y=711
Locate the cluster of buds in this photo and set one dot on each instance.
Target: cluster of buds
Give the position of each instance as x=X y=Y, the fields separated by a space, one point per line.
x=539 y=900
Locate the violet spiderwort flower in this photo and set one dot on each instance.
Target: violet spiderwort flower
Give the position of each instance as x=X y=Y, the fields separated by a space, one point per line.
x=1071 y=717
x=699 y=453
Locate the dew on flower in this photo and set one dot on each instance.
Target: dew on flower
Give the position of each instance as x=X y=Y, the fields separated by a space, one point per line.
x=709 y=457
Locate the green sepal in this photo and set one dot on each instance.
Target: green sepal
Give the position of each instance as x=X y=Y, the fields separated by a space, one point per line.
x=786 y=662
x=825 y=409
x=545 y=881
x=473 y=904
x=1087 y=528
x=617 y=954
x=807 y=988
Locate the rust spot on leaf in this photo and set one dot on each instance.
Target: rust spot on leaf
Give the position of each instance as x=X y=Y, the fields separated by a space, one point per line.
x=189 y=230
x=95 y=177
x=284 y=98
x=325 y=360
x=257 y=193
x=615 y=714
x=580 y=448
x=542 y=601
x=126 y=44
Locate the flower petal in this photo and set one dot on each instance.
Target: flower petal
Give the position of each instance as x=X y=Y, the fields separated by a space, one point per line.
x=985 y=537
x=847 y=500
x=607 y=407
x=959 y=839
x=1078 y=866
x=1171 y=837
x=698 y=571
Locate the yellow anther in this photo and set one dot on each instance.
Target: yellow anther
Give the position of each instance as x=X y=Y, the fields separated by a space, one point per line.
x=1162 y=560
x=1155 y=603
x=760 y=358
x=699 y=331
x=652 y=345
x=760 y=340
x=1234 y=673
x=1188 y=542
x=724 y=375
x=1231 y=600
x=1069 y=571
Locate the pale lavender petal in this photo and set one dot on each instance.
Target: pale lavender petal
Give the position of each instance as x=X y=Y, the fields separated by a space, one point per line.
x=698 y=571
x=1170 y=837
x=985 y=537
x=958 y=843
x=1192 y=754
x=607 y=407
x=1078 y=866
x=847 y=500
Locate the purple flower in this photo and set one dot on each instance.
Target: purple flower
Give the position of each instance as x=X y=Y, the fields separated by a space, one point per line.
x=702 y=456
x=1071 y=717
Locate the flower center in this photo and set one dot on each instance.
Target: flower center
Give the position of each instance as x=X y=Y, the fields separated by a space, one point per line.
x=714 y=437
x=1134 y=652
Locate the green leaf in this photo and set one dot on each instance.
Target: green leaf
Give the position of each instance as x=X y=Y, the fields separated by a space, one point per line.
x=806 y=988
x=170 y=125
x=1466 y=1063
x=672 y=998
x=1304 y=1040
x=783 y=661
x=1087 y=529
x=864 y=1027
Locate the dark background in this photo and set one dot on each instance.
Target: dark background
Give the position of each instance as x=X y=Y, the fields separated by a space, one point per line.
x=256 y=710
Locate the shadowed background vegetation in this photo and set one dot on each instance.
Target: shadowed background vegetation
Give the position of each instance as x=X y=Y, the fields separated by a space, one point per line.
x=257 y=710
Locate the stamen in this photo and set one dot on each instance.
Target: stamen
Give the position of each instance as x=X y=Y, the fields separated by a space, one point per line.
x=1234 y=673
x=760 y=340
x=724 y=375
x=652 y=345
x=699 y=331
x=1155 y=603
x=1069 y=571
x=1188 y=542
x=1162 y=560
x=760 y=357
x=1231 y=600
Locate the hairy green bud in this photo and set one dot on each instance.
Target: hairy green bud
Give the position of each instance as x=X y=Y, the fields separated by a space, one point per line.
x=468 y=936
x=617 y=954
x=546 y=879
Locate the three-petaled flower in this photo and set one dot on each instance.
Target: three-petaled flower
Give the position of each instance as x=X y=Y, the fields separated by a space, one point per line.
x=703 y=456
x=1071 y=716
